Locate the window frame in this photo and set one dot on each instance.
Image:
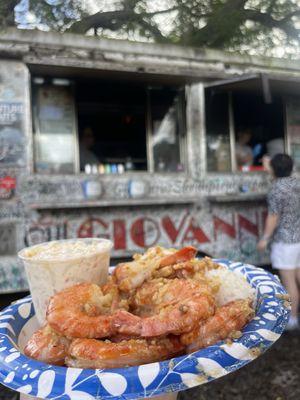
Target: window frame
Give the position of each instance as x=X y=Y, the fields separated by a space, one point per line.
x=232 y=132
x=288 y=141
x=183 y=148
x=148 y=131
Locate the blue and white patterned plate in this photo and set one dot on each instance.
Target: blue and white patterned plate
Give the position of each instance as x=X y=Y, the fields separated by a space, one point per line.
x=25 y=375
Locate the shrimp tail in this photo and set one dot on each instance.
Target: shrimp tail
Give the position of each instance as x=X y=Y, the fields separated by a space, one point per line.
x=126 y=323
x=182 y=255
x=47 y=346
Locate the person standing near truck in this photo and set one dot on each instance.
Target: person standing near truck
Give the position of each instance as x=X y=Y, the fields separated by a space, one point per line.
x=282 y=227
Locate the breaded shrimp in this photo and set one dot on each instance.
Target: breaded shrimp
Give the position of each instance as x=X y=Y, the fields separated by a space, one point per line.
x=47 y=346
x=91 y=353
x=163 y=303
x=114 y=299
x=227 y=319
x=166 y=306
x=82 y=311
x=193 y=268
x=132 y=274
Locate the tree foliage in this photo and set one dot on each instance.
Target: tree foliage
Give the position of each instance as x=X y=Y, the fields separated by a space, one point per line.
x=243 y=25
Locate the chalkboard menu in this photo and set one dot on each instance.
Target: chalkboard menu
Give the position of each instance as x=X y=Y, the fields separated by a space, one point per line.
x=293 y=129
x=55 y=129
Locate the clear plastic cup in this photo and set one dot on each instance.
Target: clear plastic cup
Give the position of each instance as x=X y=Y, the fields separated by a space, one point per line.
x=53 y=266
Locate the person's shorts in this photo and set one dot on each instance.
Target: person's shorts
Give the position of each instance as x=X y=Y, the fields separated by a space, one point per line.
x=285 y=255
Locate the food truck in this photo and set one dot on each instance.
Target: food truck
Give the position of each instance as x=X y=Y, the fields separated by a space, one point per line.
x=145 y=144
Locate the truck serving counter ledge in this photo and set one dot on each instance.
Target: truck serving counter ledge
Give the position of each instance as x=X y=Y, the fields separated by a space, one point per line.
x=114 y=203
x=236 y=198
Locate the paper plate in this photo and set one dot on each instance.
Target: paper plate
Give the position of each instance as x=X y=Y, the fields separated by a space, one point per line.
x=25 y=375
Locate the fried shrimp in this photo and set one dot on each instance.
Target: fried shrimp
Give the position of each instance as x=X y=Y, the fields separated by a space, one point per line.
x=227 y=319
x=193 y=269
x=91 y=353
x=113 y=298
x=163 y=304
x=132 y=274
x=47 y=346
x=166 y=306
x=83 y=311
x=184 y=254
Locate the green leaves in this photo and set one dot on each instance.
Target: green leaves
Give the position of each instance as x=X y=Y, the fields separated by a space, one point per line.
x=239 y=25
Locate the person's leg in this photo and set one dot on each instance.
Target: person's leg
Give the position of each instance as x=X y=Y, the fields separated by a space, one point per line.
x=298 y=271
x=289 y=280
x=285 y=257
x=298 y=277
x=298 y=282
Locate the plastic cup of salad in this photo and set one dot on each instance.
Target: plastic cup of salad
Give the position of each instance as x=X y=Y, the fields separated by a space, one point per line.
x=56 y=265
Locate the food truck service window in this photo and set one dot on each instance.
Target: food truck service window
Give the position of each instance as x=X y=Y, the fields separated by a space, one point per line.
x=259 y=129
x=111 y=125
x=97 y=126
x=243 y=123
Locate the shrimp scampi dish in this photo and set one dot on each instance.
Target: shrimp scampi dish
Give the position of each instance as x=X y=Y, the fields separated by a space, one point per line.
x=163 y=304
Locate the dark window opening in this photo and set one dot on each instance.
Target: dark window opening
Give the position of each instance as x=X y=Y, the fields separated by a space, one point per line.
x=97 y=126
x=259 y=129
x=112 y=126
x=244 y=123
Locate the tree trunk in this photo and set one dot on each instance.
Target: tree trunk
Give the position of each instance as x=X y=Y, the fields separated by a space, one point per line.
x=108 y=20
x=115 y=20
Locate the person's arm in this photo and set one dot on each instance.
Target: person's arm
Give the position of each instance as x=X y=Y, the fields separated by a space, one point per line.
x=271 y=224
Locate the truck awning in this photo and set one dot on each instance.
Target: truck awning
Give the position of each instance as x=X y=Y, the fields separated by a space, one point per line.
x=267 y=84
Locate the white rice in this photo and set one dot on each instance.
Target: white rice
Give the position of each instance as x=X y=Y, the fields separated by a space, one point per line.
x=231 y=286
